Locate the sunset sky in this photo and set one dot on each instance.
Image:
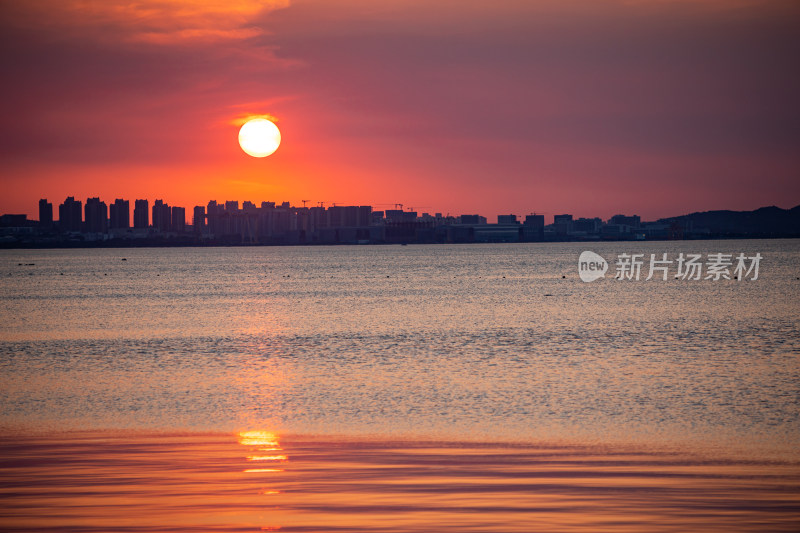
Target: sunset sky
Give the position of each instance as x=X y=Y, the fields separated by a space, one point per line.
x=590 y=107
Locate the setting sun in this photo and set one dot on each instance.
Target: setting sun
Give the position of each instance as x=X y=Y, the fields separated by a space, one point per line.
x=259 y=137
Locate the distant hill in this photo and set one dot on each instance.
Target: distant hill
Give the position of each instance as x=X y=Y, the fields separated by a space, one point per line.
x=764 y=222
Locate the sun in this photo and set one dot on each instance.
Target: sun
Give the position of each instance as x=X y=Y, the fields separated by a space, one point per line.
x=259 y=137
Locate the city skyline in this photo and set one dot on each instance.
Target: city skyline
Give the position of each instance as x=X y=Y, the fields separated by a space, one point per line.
x=149 y=209
x=597 y=107
x=36 y=215
x=145 y=214
x=270 y=223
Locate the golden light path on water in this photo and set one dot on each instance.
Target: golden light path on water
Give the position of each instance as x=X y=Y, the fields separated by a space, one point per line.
x=262 y=441
x=140 y=482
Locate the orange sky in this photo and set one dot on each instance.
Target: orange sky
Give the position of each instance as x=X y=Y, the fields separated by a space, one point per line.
x=586 y=107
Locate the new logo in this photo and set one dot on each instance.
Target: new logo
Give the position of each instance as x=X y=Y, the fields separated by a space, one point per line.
x=591 y=266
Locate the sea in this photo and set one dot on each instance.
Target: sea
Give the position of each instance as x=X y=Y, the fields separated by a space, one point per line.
x=474 y=387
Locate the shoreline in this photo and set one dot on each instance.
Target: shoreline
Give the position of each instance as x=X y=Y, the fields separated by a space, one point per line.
x=164 y=243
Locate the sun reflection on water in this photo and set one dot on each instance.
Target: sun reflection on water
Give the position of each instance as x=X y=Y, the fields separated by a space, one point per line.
x=258 y=438
x=262 y=441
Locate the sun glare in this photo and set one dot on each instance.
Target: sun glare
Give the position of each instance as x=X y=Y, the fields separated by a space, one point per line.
x=259 y=137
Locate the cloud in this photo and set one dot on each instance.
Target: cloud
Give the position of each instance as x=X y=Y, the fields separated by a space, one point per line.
x=144 y=21
x=100 y=81
x=671 y=77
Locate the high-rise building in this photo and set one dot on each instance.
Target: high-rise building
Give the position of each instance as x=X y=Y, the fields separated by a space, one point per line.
x=45 y=213
x=394 y=215
x=588 y=225
x=178 y=219
x=633 y=221
x=162 y=216
x=213 y=224
x=533 y=228
x=536 y=221
x=507 y=219
x=141 y=214
x=70 y=216
x=349 y=216
x=335 y=216
x=96 y=216
x=364 y=215
x=318 y=217
x=562 y=224
x=120 y=214
x=199 y=219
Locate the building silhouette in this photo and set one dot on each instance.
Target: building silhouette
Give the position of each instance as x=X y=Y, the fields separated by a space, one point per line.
x=178 y=222
x=533 y=228
x=70 y=217
x=120 y=214
x=141 y=214
x=562 y=224
x=199 y=219
x=96 y=219
x=633 y=221
x=587 y=225
x=162 y=216
x=274 y=223
x=45 y=214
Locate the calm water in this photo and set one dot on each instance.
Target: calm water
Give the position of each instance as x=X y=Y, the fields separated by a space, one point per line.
x=185 y=483
x=533 y=384
x=445 y=341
